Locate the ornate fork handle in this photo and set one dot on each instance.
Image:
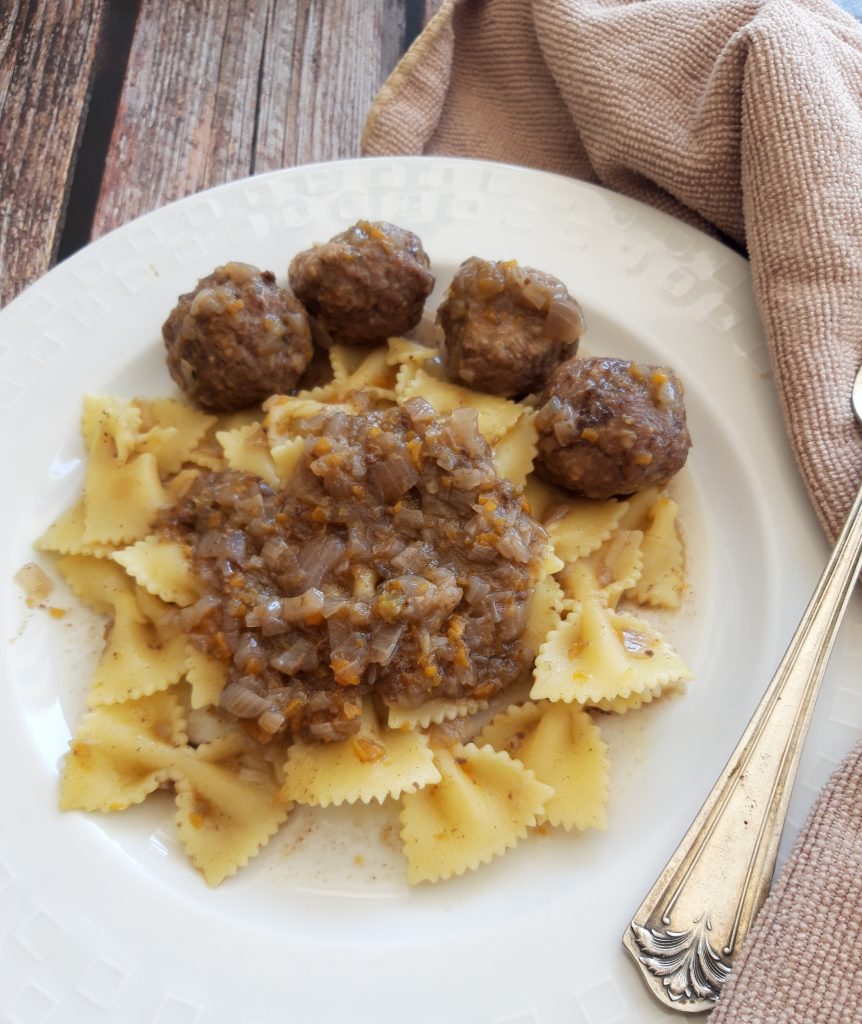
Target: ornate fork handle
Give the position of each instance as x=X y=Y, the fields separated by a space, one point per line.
x=688 y=931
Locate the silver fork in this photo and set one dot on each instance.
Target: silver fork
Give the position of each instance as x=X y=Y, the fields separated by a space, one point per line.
x=689 y=930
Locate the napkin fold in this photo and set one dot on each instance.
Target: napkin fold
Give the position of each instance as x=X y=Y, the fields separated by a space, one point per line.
x=743 y=118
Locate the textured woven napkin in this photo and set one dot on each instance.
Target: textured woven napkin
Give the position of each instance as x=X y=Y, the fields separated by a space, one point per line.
x=745 y=119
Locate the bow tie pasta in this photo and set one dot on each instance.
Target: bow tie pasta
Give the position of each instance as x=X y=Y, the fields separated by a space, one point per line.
x=411 y=581
x=474 y=771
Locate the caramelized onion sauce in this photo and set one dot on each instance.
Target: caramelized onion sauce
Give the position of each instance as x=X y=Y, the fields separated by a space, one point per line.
x=395 y=562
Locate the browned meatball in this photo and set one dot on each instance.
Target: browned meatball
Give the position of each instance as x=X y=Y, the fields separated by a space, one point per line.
x=506 y=327
x=364 y=285
x=236 y=339
x=610 y=427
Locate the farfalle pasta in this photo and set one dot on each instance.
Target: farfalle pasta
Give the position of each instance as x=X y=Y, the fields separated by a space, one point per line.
x=661 y=581
x=162 y=567
x=483 y=804
x=497 y=416
x=474 y=769
x=562 y=746
x=597 y=656
x=376 y=763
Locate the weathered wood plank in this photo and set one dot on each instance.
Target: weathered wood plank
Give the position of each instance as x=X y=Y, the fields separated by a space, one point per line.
x=219 y=89
x=47 y=53
x=321 y=71
x=187 y=112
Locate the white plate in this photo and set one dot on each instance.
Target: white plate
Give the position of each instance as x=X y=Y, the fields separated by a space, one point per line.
x=102 y=917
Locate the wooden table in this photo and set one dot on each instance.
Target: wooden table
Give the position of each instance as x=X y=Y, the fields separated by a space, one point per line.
x=111 y=108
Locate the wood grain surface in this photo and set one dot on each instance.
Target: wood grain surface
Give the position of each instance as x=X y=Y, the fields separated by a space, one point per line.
x=47 y=53
x=219 y=89
x=185 y=94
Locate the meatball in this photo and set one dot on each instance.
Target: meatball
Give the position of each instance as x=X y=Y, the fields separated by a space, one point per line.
x=609 y=427
x=236 y=339
x=506 y=327
x=364 y=285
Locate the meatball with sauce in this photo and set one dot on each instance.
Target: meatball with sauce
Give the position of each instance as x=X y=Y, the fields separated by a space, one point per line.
x=506 y=327
x=609 y=427
x=236 y=339
x=364 y=285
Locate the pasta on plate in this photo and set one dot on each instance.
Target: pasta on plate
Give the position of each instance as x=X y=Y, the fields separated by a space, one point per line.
x=473 y=775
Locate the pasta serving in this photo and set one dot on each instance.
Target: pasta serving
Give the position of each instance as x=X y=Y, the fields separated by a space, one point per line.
x=516 y=746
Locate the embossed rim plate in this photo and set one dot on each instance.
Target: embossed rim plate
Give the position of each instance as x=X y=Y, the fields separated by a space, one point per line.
x=103 y=918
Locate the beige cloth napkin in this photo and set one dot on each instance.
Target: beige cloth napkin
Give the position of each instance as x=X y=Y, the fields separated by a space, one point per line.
x=743 y=118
